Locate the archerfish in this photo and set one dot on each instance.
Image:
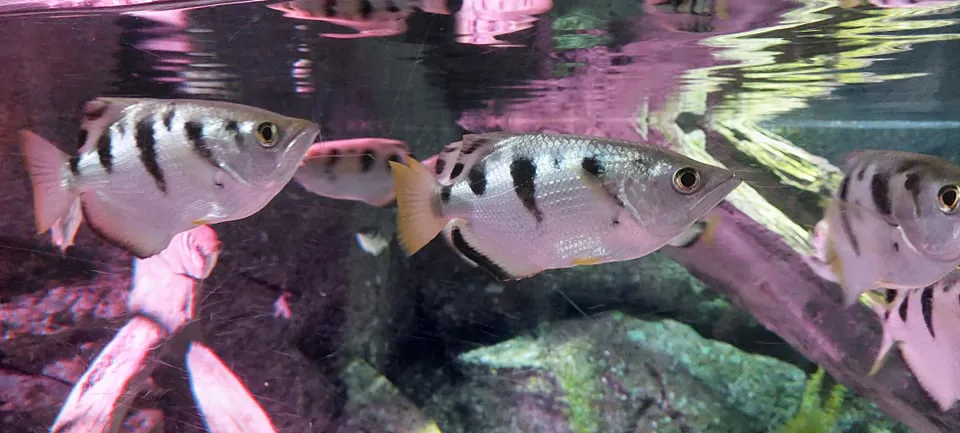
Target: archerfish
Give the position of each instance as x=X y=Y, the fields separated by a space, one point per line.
x=925 y=324
x=147 y=169
x=519 y=204
x=352 y=169
x=891 y=224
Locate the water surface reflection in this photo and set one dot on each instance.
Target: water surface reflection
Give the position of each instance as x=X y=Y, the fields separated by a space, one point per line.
x=746 y=84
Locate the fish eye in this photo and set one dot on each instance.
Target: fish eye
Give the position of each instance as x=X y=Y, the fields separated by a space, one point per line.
x=686 y=180
x=949 y=198
x=267 y=134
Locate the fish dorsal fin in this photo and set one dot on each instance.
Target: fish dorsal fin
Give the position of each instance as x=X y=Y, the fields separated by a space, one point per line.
x=97 y=115
x=457 y=158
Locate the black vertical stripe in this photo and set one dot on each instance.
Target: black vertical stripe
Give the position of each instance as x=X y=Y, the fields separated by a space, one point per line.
x=926 y=305
x=591 y=165
x=880 y=190
x=478 y=179
x=168 y=119
x=75 y=165
x=332 y=159
x=889 y=295
x=367 y=159
x=234 y=127
x=847 y=228
x=524 y=172
x=438 y=168
x=457 y=169
x=844 y=186
x=476 y=256
x=81 y=138
x=366 y=8
x=445 y=193
x=147 y=143
x=105 y=151
x=395 y=158
x=903 y=308
x=194 y=132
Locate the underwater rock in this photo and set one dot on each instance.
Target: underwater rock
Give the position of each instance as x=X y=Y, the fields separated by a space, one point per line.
x=618 y=373
x=375 y=404
x=460 y=304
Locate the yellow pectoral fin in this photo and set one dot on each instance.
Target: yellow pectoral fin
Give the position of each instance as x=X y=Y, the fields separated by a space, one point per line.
x=200 y=222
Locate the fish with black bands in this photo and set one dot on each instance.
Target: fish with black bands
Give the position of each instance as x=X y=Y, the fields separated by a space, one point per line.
x=352 y=169
x=519 y=204
x=924 y=324
x=147 y=169
x=893 y=223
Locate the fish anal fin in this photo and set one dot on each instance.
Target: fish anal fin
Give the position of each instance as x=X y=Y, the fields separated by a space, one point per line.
x=47 y=167
x=448 y=237
x=470 y=247
x=419 y=218
x=123 y=228
x=64 y=230
x=887 y=343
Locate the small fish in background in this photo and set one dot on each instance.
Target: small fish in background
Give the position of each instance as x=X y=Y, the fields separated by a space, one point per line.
x=925 y=324
x=369 y=18
x=148 y=169
x=893 y=223
x=519 y=204
x=353 y=169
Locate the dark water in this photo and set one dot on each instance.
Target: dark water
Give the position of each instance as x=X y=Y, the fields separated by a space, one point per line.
x=779 y=90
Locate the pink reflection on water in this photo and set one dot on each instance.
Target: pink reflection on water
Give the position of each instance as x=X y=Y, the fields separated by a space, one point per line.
x=610 y=88
x=478 y=22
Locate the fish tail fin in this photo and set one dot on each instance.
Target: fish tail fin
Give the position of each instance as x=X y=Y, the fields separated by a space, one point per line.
x=46 y=166
x=418 y=208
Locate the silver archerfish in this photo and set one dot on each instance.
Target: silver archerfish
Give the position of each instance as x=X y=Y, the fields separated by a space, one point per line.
x=148 y=169
x=352 y=169
x=519 y=204
x=893 y=222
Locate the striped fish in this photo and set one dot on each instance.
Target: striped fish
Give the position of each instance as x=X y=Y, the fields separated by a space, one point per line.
x=925 y=324
x=148 y=169
x=519 y=204
x=352 y=169
x=892 y=223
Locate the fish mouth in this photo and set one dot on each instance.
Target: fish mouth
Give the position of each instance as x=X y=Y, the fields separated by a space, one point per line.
x=716 y=195
x=304 y=134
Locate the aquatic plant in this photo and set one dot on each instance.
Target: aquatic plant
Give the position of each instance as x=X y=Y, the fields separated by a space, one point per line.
x=810 y=416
